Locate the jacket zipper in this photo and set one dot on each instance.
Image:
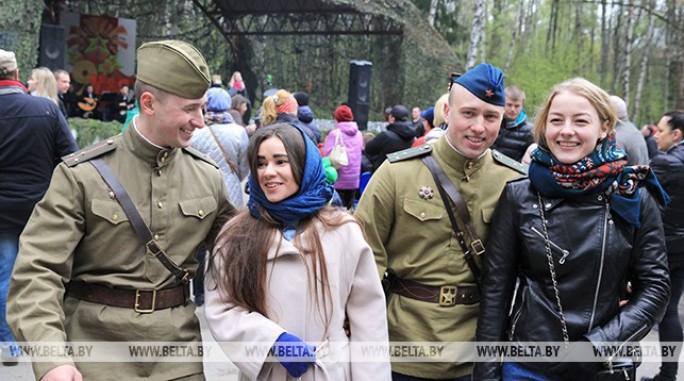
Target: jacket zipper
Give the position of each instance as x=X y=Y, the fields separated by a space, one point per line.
x=619 y=350
x=517 y=315
x=603 y=254
x=563 y=251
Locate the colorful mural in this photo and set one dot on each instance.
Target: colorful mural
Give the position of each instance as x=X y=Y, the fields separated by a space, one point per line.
x=100 y=51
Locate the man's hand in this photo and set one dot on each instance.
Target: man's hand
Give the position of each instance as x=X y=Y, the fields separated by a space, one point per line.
x=63 y=373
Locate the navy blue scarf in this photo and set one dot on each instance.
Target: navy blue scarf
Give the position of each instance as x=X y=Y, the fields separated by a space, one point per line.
x=604 y=170
x=313 y=193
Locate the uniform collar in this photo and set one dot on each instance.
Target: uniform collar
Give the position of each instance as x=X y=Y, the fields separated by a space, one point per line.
x=145 y=150
x=453 y=161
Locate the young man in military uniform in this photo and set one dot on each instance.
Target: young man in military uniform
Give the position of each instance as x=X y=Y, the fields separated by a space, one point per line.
x=82 y=273
x=433 y=292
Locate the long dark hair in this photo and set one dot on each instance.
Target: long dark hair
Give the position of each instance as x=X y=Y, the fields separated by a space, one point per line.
x=239 y=261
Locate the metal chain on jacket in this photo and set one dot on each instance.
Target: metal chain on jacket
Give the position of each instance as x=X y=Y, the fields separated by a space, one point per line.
x=552 y=270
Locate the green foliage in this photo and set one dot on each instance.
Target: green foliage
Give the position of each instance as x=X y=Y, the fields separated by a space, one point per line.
x=90 y=131
x=19 y=25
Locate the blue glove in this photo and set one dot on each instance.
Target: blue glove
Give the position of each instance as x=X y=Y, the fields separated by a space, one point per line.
x=294 y=354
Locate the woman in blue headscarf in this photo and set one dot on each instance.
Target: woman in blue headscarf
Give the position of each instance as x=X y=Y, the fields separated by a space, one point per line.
x=575 y=232
x=286 y=271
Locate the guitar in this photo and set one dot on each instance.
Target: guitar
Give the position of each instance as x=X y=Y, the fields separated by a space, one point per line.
x=87 y=104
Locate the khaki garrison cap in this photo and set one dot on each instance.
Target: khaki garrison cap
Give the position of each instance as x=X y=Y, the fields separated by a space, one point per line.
x=175 y=67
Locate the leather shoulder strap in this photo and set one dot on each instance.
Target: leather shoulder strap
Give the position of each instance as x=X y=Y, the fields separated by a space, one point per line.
x=136 y=220
x=447 y=191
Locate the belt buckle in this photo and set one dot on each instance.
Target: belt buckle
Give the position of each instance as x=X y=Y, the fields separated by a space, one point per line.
x=447 y=296
x=137 y=308
x=152 y=247
x=478 y=247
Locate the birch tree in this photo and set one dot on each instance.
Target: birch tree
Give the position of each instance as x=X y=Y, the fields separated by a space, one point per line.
x=643 y=67
x=476 y=33
x=432 y=14
x=514 y=35
x=629 y=41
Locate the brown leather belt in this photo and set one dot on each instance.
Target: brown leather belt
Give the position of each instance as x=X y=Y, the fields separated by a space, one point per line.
x=445 y=296
x=142 y=301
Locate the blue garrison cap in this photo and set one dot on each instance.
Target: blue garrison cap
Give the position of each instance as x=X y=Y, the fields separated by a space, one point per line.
x=429 y=115
x=486 y=82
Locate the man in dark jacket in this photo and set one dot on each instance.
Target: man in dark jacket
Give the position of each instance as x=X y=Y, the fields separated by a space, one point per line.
x=64 y=97
x=33 y=137
x=515 y=134
x=306 y=115
x=398 y=136
x=669 y=168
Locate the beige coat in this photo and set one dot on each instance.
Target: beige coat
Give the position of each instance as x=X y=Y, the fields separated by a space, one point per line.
x=355 y=288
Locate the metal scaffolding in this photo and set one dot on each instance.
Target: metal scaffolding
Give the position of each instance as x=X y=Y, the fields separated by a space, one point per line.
x=295 y=17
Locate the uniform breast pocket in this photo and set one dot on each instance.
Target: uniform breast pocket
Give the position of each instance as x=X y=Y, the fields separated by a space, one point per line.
x=109 y=210
x=422 y=210
x=198 y=207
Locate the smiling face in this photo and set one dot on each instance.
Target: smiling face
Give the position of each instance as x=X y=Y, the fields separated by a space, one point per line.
x=573 y=127
x=274 y=171
x=473 y=123
x=170 y=120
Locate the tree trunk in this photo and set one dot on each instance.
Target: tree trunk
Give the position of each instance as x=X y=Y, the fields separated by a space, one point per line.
x=514 y=36
x=476 y=33
x=644 y=65
x=578 y=35
x=553 y=27
x=432 y=14
x=626 y=73
x=603 y=68
x=617 y=62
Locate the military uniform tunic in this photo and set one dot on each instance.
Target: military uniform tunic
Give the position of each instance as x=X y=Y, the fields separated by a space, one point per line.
x=80 y=232
x=409 y=231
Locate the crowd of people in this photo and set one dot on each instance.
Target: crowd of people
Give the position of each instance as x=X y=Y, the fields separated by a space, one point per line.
x=467 y=221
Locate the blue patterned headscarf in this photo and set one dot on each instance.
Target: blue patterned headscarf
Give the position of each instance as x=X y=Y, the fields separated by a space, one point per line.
x=313 y=193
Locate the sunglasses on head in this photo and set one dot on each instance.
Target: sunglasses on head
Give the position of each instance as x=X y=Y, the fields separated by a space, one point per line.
x=453 y=77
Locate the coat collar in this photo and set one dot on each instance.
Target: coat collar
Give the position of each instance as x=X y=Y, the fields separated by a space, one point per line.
x=281 y=247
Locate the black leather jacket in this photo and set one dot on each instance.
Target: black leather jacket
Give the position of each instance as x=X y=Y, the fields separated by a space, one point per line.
x=595 y=253
x=669 y=168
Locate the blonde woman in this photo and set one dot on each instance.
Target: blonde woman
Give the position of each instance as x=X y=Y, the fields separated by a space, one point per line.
x=43 y=84
x=282 y=108
x=574 y=232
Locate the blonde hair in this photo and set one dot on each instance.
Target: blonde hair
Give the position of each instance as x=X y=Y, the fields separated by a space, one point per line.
x=269 y=109
x=597 y=97
x=45 y=82
x=439 y=117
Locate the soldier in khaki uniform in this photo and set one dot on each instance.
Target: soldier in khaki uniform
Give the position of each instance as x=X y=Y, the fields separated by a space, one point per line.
x=82 y=274
x=434 y=296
